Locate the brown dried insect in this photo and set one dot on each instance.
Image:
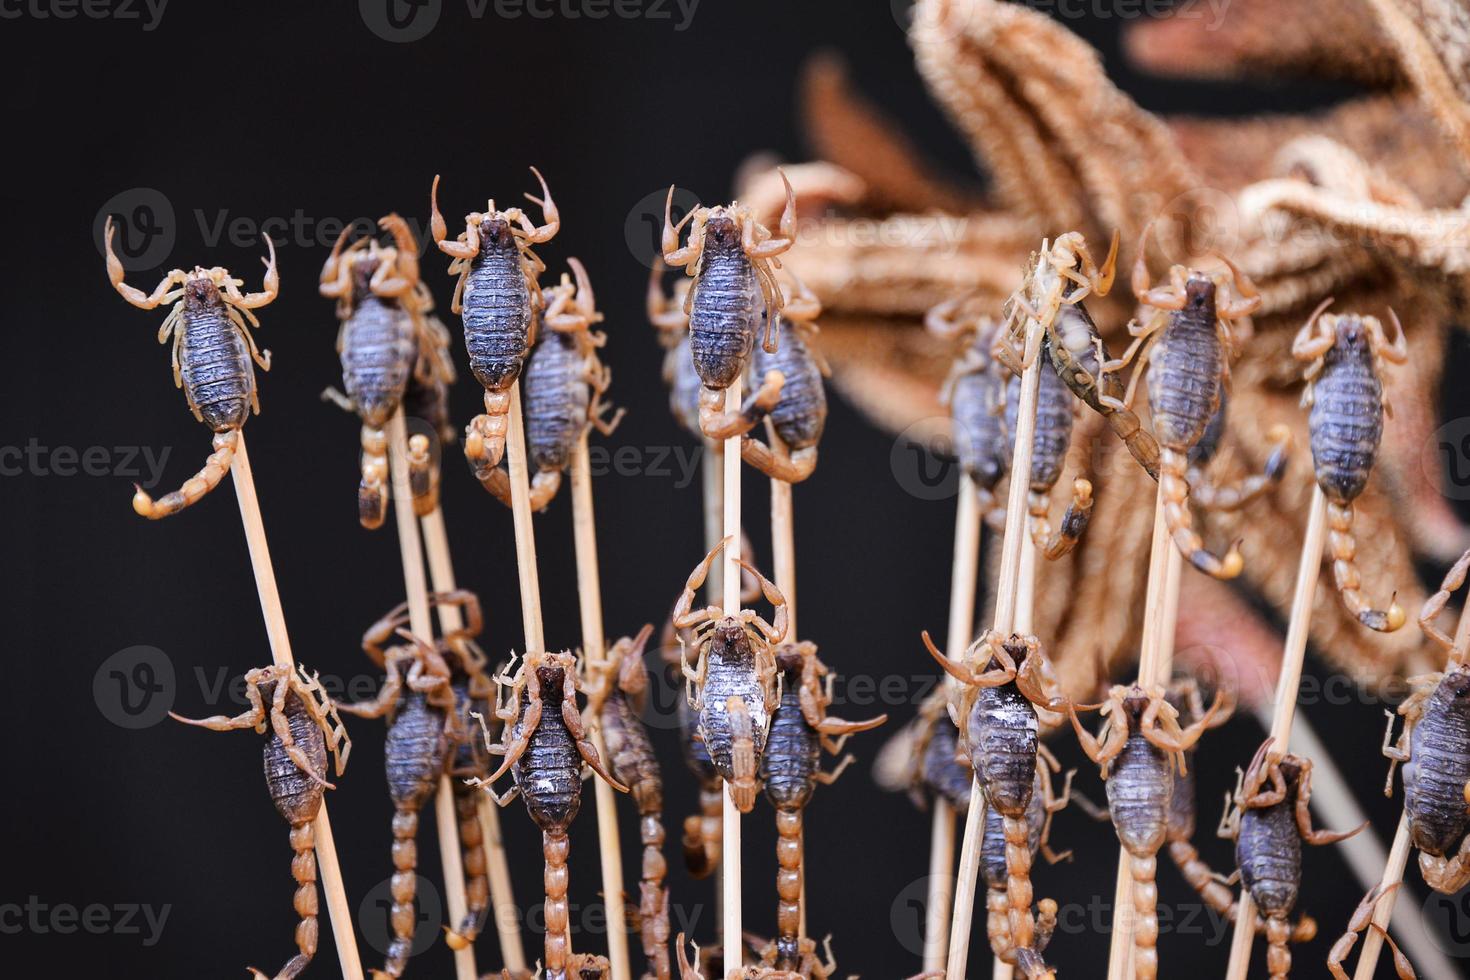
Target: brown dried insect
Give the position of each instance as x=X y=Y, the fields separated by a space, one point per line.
x=1233 y=496
x=617 y=693
x=924 y=760
x=1362 y=918
x=497 y=296
x=1184 y=347
x=1268 y=827
x=304 y=727
x=994 y=860
x=1139 y=748
x=731 y=259
x=791 y=770
x=800 y=414
x=545 y=746
x=565 y=382
x=212 y=353
x=812 y=966
x=1434 y=747
x=1050 y=442
x=1002 y=682
x=388 y=334
x=1346 y=355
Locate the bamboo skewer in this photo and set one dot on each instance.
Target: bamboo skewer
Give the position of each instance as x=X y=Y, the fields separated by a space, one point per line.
x=589 y=602
x=1007 y=588
x=420 y=622
x=502 y=899
x=732 y=936
x=712 y=476
x=1284 y=711
x=963 y=581
x=1398 y=859
x=280 y=642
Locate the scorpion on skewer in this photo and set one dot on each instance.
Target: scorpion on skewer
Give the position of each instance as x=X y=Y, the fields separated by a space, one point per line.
x=1002 y=683
x=304 y=726
x=565 y=382
x=666 y=314
x=731 y=259
x=974 y=393
x=791 y=770
x=1184 y=347
x=1139 y=748
x=800 y=414
x=388 y=335
x=1268 y=826
x=813 y=968
x=419 y=702
x=1434 y=747
x=923 y=760
x=498 y=297
x=1346 y=355
x=1233 y=496
x=1043 y=806
x=213 y=348
x=617 y=695
x=732 y=684
x=545 y=746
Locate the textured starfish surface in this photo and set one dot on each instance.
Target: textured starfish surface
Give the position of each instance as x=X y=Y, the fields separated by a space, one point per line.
x=1343 y=203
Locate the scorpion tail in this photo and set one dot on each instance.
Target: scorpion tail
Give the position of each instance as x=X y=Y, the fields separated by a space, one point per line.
x=476 y=886
x=1145 y=916
x=201 y=483
x=403 y=888
x=1278 y=954
x=702 y=840
x=1343 y=548
x=1140 y=442
x=788 y=469
x=423 y=476
x=1174 y=485
x=372 y=492
x=653 y=897
x=1074 y=521
x=1019 y=922
x=558 y=948
x=303 y=869
x=544 y=487
x=788 y=888
x=998 y=925
x=484 y=437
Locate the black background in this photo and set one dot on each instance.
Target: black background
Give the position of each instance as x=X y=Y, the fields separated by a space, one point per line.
x=262 y=110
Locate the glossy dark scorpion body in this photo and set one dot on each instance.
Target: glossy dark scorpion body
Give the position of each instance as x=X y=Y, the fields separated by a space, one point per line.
x=1049 y=445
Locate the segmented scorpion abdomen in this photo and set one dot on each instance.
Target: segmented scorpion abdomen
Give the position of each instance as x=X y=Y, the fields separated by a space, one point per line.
x=731 y=675
x=378 y=352
x=214 y=360
x=496 y=308
x=1140 y=788
x=793 y=752
x=1346 y=420
x=1185 y=370
x=1003 y=742
x=1053 y=426
x=1268 y=852
x=993 y=841
x=976 y=402
x=414 y=751
x=1438 y=769
x=296 y=795
x=549 y=772
x=946 y=776
x=557 y=397
x=801 y=413
x=727 y=309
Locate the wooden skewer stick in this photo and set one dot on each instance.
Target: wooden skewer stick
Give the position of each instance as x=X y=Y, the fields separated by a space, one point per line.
x=502 y=899
x=1308 y=571
x=280 y=641
x=589 y=602
x=963 y=582
x=732 y=937
x=712 y=475
x=1398 y=859
x=1007 y=588
x=420 y=622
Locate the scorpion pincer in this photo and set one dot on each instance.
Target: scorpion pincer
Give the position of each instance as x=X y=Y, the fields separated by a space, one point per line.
x=732 y=684
x=497 y=296
x=1002 y=681
x=1268 y=826
x=545 y=746
x=304 y=726
x=791 y=770
x=387 y=336
x=1184 y=347
x=564 y=385
x=731 y=258
x=617 y=700
x=1346 y=354
x=1139 y=749
x=213 y=349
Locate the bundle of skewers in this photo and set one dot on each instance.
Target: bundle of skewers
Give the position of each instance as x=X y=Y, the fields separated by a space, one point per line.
x=746 y=379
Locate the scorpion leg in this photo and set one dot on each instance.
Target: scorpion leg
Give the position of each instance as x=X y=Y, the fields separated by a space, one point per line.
x=1343 y=549
x=1400 y=752
x=197 y=486
x=281 y=725
x=720 y=424
x=517 y=746
x=1451 y=583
